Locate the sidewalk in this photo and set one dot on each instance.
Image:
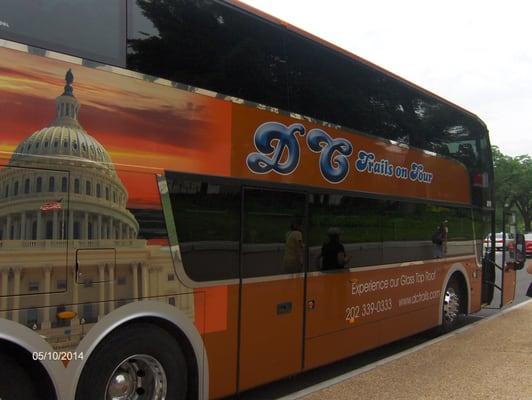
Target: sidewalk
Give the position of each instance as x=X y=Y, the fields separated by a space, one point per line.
x=489 y=360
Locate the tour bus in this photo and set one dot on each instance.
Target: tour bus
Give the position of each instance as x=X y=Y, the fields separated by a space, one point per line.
x=197 y=199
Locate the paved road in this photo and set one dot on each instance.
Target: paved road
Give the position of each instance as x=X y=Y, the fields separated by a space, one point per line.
x=287 y=386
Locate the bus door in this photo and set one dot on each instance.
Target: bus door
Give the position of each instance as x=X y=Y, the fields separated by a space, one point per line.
x=508 y=276
x=272 y=285
x=333 y=322
x=489 y=263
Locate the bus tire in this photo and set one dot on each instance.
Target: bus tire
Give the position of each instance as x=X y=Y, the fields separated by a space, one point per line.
x=139 y=361
x=20 y=381
x=453 y=305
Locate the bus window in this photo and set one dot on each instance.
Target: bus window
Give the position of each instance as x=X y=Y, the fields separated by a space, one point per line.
x=351 y=221
x=207 y=220
x=408 y=229
x=273 y=233
x=407 y=232
x=460 y=239
x=210 y=45
x=92 y=29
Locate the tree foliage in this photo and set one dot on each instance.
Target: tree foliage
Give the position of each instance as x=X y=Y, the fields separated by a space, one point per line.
x=513 y=183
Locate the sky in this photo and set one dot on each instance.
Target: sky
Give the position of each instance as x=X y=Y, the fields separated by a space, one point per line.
x=476 y=54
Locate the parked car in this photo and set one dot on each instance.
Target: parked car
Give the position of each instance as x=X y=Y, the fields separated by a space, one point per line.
x=528 y=244
x=498 y=242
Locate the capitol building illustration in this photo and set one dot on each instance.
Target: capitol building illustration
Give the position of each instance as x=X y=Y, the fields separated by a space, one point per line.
x=67 y=240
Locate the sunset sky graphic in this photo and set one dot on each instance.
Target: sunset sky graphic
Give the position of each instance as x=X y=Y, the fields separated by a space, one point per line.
x=139 y=123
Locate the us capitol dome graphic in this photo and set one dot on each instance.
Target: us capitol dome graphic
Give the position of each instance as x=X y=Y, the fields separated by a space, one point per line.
x=97 y=199
x=68 y=244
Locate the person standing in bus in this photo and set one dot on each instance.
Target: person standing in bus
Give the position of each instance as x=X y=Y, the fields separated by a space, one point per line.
x=293 y=253
x=333 y=252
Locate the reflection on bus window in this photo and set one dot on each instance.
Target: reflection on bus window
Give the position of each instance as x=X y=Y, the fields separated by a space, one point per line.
x=273 y=233
x=207 y=219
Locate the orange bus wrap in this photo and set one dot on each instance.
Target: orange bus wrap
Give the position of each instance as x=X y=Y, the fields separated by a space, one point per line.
x=85 y=229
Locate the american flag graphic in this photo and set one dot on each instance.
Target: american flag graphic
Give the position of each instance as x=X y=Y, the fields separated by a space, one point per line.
x=52 y=206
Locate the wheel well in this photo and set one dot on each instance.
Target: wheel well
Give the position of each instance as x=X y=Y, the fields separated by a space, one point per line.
x=459 y=278
x=184 y=343
x=35 y=370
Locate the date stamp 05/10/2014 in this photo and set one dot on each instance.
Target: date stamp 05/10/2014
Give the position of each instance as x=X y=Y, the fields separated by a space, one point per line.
x=57 y=355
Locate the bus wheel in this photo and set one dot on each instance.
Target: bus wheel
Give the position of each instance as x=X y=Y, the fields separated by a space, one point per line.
x=140 y=361
x=452 y=306
x=21 y=380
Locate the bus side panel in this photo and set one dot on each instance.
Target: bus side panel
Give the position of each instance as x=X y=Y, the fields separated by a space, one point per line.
x=106 y=254
x=325 y=349
x=80 y=199
x=217 y=319
x=345 y=300
x=271 y=331
x=75 y=204
x=350 y=312
x=252 y=126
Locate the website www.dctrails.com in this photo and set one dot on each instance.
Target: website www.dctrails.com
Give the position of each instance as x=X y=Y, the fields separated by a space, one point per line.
x=420 y=297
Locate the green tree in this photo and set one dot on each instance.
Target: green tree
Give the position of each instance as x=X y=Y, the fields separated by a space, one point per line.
x=513 y=183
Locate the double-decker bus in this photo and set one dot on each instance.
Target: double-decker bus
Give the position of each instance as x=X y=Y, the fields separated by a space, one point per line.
x=197 y=198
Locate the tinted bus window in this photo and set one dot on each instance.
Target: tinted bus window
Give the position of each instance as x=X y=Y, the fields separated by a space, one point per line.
x=407 y=230
x=209 y=45
x=273 y=233
x=328 y=86
x=92 y=29
x=354 y=223
x=207 y=220
x=461 y=235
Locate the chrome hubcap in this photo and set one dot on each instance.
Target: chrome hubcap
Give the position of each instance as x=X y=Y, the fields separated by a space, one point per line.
x=139 y=377
x=451 y=307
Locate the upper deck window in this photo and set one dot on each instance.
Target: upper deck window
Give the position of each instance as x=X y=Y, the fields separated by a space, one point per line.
x=210 y=45
x=91 y=29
